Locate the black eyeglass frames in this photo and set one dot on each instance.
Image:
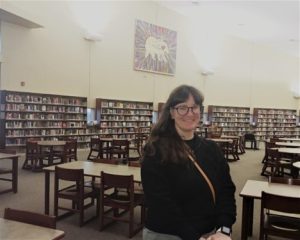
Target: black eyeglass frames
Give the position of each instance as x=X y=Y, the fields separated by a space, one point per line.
x=183 y=110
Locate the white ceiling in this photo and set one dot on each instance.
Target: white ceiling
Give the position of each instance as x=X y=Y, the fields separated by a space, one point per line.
x=274 y=23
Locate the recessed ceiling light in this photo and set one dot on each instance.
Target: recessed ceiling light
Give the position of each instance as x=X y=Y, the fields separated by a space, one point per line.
x=195 y=2
x=241 y=24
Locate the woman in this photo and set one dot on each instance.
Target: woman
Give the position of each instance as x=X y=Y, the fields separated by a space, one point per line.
x=182 y=202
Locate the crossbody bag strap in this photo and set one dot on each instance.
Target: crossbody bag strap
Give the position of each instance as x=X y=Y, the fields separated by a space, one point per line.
x=205 y=177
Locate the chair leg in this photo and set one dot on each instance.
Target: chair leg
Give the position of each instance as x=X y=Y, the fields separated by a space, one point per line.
x=143 y=214
x=90 y=153
x=81 y=212
x=55 y=205
x=131 y=223
x=25 y=164
x=98 y=207
x=101 y=216
x=261 y=235
x=264 y=169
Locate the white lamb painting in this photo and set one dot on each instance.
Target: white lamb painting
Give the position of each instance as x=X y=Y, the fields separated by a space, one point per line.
x=155 y=48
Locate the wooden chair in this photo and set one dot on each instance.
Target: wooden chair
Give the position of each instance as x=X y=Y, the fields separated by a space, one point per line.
x=276 y=224
x=69 y=151
x=275 y=163
x=268 y=144
x=143 y=140
x=126 y=201
x=138 y=187
x=30 y=217
x=241 y=144
x=214 y=131
x=250 y=137
x=76 y=192
x=33 y=156
x=136 y=142
x=97 y=184
x=5 y=171
x=231 y=149
x=95 y=149
x=120 y=147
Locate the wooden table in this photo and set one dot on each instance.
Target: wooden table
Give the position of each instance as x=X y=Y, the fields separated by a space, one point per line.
x=14 y=158
x=252 y=190
x=289 y=150
x=90 y=169
x=296 y=164
x=290 y=139
x=19 y=231
x=288 y=144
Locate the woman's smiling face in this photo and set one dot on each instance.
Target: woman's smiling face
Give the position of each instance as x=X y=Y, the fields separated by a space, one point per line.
x=186 y=116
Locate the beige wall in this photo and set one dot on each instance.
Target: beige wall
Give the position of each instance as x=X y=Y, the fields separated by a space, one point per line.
x=56 y=59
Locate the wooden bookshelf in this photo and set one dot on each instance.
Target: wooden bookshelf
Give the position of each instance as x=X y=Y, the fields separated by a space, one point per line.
x=233 y=120
x=123 y=119
x=271 y=122
x=43 y=116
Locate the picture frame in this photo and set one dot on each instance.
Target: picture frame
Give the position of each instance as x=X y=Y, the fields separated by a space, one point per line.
x=154 y=48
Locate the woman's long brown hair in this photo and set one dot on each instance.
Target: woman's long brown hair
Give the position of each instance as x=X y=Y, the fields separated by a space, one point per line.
x=164 y=137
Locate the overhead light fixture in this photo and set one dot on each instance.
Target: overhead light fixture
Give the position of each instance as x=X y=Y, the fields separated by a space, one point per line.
x=93 y=36
x=206 y=73
x=195 y=2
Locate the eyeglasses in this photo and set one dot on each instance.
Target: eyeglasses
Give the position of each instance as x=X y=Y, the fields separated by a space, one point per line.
x=183 y=110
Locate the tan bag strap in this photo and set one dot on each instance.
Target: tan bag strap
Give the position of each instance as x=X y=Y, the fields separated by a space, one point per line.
x=205 y=177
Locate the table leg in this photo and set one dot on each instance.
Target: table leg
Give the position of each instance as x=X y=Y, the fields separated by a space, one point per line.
x=250 y=217
x=227 y=150
x=247 y=217
x=47 y=190
x=295 y=170
x=50 y=155
x=15 y=174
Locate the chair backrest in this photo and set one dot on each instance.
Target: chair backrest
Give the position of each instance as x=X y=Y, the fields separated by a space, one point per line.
x=32 y=147
x=143 y=139
x=284 y=180
x=95 y=143
x=274 y=139
x=215 y=131
x=120 y=143
x=134 y=163
x=71 y=145
x=270 y=144
x=30 y=217
x=272 y=153
x=8 y=151
x=280 y=224
x=116 y=181
x=69 y=174
x=280 y=203
x=249 y=137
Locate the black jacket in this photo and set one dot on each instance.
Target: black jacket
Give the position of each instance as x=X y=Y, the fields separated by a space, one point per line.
x=179 y=200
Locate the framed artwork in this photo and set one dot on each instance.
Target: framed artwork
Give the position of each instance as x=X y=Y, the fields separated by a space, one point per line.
x=154 y=48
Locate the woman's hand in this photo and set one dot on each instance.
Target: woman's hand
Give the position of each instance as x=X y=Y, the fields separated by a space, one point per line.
x=217 y=236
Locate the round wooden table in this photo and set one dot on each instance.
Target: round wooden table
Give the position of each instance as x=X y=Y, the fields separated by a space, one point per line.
x=296 y=164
